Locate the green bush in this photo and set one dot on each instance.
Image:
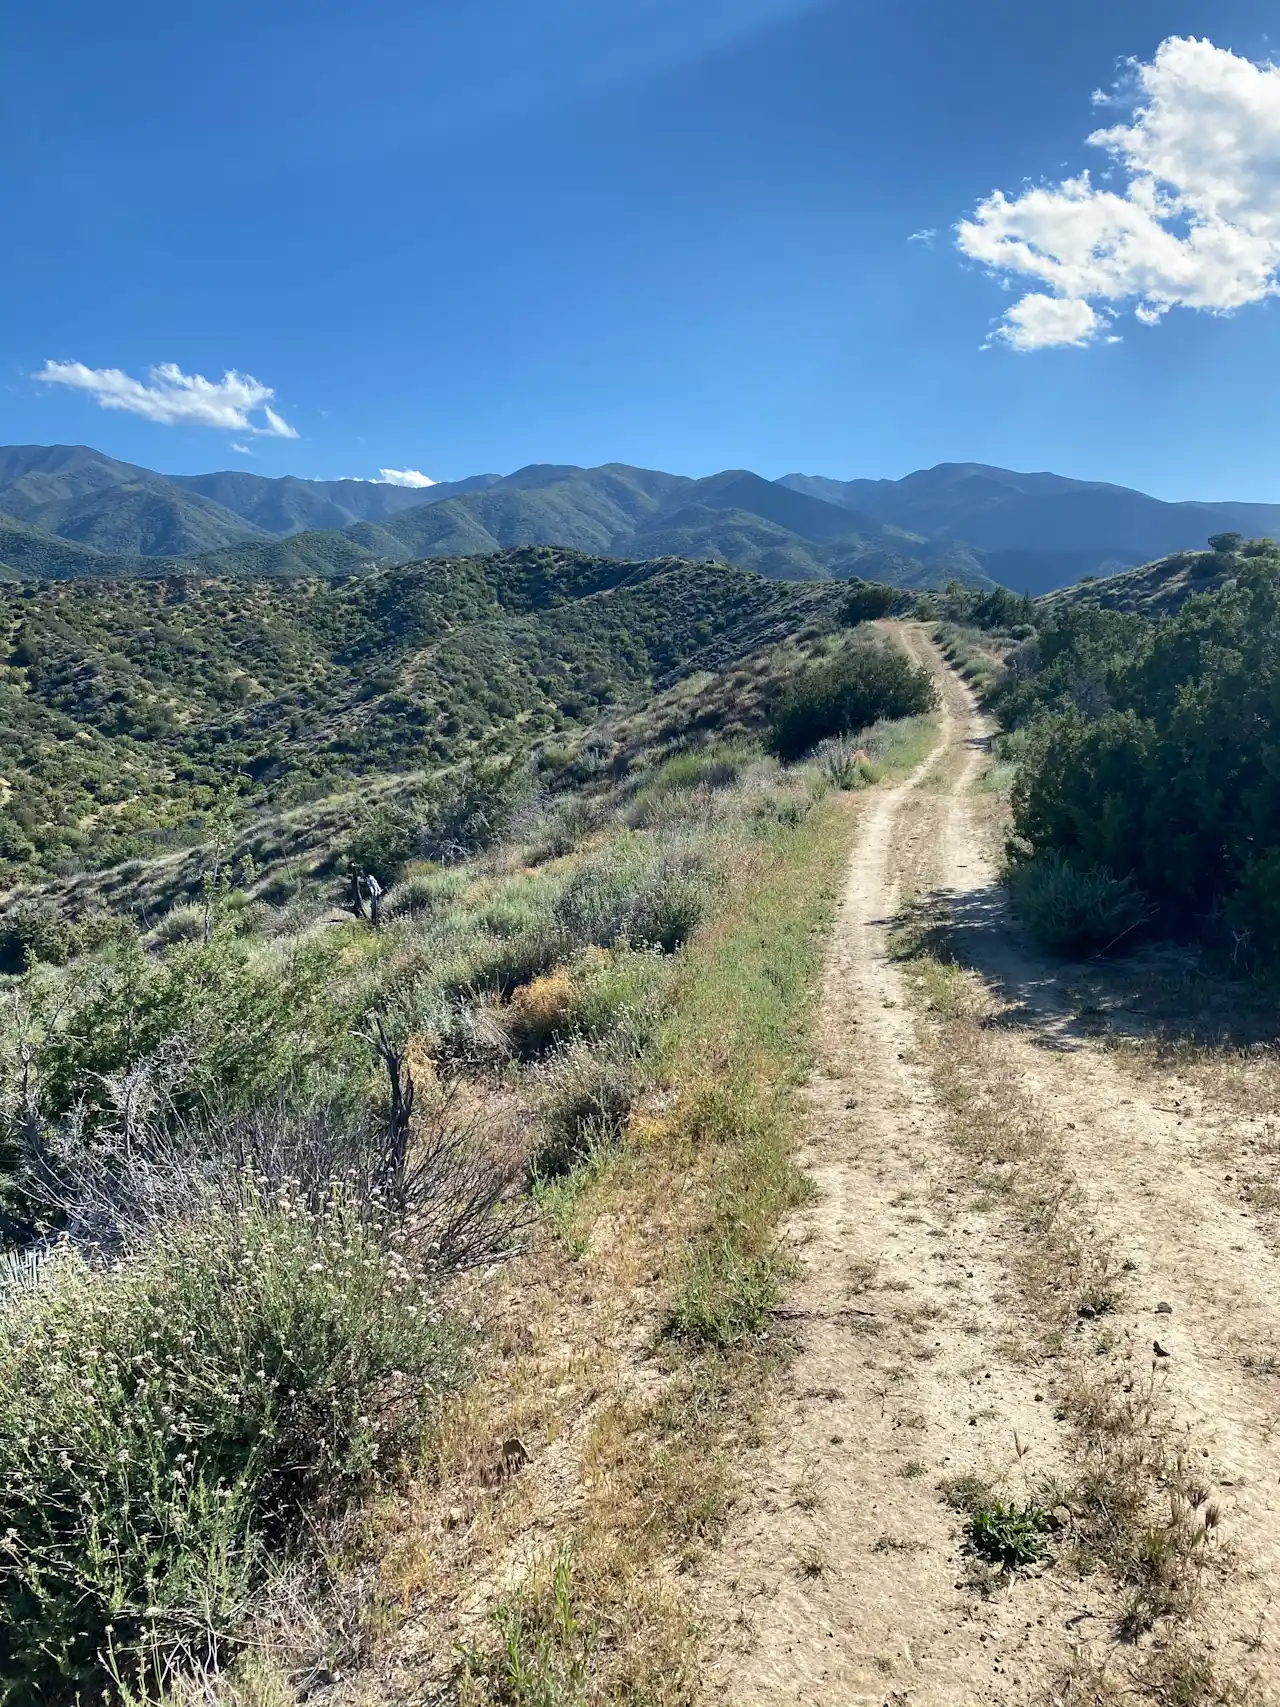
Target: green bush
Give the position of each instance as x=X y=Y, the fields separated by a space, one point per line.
x=32 y=931
x=165 y=1425
x=180 y=924
x=476 y=807
x=1154 y=752
x=425 y=894
x=621 y=989
x=382 y=844
x=841 y=695
x=619 y=897
x=844 y=764
x=867 y=601
x=1009 y=1535
x=234 y=1026
x=1075 y=912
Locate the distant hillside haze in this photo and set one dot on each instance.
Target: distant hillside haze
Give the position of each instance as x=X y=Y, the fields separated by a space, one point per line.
x=67 y=511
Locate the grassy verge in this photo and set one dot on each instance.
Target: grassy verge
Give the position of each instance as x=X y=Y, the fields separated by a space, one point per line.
x=974 y=653
x=698 y=1192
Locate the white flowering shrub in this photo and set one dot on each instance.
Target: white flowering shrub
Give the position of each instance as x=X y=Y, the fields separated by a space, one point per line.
x=165 y=1424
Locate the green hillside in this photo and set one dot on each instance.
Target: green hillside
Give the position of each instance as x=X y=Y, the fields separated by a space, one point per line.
x=1156 y=588
x=128 y=706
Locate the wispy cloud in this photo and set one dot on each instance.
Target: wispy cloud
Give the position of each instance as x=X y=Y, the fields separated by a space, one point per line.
x=175 y=398
x=244 y=450
x=926 y=237
x=1196 y=223
x=404 y=477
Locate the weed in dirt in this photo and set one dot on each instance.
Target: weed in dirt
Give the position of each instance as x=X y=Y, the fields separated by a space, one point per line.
x=544 y=1650
x=912 y=1469
x=966 y=1493
x=1009 y=1534
x=898 y=1544
x=805 y=1490
x=813 y=1563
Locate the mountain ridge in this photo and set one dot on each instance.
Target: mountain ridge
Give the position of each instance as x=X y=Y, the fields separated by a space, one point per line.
x=68 y=511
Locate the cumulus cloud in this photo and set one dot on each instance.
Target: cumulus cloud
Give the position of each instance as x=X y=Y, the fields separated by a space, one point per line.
x=1194 y=223
x=404 y=477
x=175 y=398
x=1040 y=320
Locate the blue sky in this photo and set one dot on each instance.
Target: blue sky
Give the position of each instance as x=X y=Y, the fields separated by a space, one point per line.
x=464 y=236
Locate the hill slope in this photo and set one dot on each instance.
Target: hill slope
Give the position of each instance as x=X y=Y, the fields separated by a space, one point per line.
x=127 y=705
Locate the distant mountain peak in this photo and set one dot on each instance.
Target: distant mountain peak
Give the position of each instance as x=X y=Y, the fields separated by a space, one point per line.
x=77 y=511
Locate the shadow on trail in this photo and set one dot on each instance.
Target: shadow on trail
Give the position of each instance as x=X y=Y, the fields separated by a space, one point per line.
x=1161 y=992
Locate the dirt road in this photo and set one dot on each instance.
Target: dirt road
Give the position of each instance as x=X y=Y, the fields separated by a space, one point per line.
x=923 y=1357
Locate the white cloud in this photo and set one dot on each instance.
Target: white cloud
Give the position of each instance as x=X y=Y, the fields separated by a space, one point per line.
x=926 y=237
x=174 y=397
x=244 y=450
x=1195 y=225
x=404 y=477
x=1039 y=321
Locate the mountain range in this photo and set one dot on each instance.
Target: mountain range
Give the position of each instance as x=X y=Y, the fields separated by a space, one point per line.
x=68 y=511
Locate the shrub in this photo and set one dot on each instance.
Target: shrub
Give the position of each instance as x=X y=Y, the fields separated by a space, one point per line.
x=718 y=767
x=565 y=828
x=542 y=1011
x=479 y=802
x=33 y=931
x=667 y=907
x=840 y=695
x=1154 y=751
x=231 y=1027
x=621 y=990
x=164 y=1426
x=382 y=844
x=605 y=993
x=425 y=894
x=587 y=1100
x=180 y=924
x=844 y=764
x=866 y=601
x=1072 y=911
x=620 y=898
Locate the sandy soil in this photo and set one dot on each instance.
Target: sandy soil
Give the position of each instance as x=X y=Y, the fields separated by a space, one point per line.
x=844 y=1580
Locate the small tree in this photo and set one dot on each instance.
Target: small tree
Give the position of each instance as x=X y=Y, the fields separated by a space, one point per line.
x=846 y=693
x=382 y=844
x=867 y=600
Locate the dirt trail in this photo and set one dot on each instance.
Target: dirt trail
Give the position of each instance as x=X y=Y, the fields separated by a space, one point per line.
x=843 y=1583
x=844 y=1580
x=1156 y=1188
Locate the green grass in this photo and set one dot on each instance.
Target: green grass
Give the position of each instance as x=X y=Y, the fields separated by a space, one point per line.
x=737 y=1047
